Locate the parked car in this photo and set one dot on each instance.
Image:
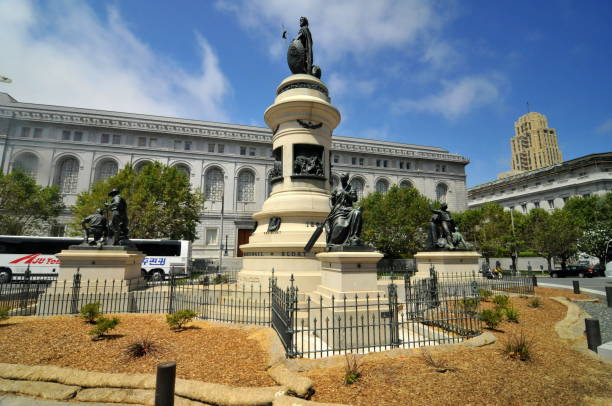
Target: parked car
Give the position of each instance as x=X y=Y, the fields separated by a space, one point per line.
x=581 y=271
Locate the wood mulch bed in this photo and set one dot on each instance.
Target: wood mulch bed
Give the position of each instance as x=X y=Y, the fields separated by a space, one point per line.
x=205 y=351
x=556 y=375
x=548 y=292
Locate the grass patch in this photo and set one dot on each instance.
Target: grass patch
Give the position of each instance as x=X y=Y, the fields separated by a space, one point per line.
x=512 y=314
x=535 y=303
x=485 y=294
x=439 y=364
x=140 y=348
x=501 y=301
x=519 y=347
x=352 y=369
x=4 y=312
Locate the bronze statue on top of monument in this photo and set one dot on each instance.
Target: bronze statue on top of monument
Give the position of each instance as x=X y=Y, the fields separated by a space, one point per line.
x=299 y=54
x=108 y=233
x=443 y=233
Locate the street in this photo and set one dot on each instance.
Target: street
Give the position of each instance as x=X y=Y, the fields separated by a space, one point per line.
x=595 y=286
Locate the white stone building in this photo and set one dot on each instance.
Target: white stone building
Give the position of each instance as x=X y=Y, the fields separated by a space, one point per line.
x=75 y=147
x=548 y=188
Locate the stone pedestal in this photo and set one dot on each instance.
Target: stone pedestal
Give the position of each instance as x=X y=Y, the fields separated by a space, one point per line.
x=302 y=120
x=446 y=262
x=108 y=263
x=348 y=273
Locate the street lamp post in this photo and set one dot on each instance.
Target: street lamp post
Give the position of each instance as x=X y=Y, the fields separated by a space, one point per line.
x=221 y=234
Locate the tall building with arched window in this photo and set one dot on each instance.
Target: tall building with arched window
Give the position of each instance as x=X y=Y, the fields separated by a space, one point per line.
x=229 y=163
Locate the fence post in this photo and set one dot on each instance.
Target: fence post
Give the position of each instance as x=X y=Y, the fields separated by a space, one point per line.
x=609 y=295
x=593 y=334
x=76 y=289
x=576 y=287
x=171 y=293
x=534 y=281
x=164 y=384
x=393 y=321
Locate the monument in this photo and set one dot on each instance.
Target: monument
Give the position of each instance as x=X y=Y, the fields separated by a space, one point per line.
x=446 y=249
x=109 y=255
x=302 y=120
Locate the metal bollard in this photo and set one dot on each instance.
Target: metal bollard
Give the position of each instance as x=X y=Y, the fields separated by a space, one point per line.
x=593 y=334
x=534 y=281
x=576 y=286
x=164 y=385
x=609 y=295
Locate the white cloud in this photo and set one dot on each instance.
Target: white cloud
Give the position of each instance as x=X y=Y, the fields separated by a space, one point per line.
x=340 y=85
x=63 y=53
x=340 y=27
x=456 y=98
x=605 y=127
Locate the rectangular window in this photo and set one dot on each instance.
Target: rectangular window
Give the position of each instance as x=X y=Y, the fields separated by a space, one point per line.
x=242 y=150
x=437 y=167
x=211 y=148
x=105 y=138
x=142 y=141
x=78 y=136
x=361 y=161
x=443 y=168
x=565 y=199
x=353 y=160
x=336 y=159
x=536 y=205
x=551 y=204
x=66 y=135
x=211 y=236
x=25 y=131
x=178 y=144
x=407 y=165
x=252 y=151
x=187 y=145
x=116 y=139
x=401 y=165
x=385 y=163
x=38 y=133
x=378 y=162
x=524 y=207
x=221 y=148
x=153 y=142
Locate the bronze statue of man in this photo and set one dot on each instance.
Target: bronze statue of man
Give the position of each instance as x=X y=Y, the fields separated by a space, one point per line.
x=96 y=226
x=442 y=227
x=118 y=226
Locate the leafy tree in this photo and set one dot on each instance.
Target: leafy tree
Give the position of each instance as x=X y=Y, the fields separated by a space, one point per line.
x=26 y=207
x=161 y=203
x=594 y=216
x=395 y=222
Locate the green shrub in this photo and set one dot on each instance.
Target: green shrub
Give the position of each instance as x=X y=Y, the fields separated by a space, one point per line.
x=535 y=303
x=4 y=312
x=140 y=348
x=485 y=294
x=490 y=317
x=502 y=301
x=512 y=314
x=352 y=369
x=177 y=320
x=519 y=347
x=103 y=326
x=91 y=311
x=469 y=305
x=221 y=278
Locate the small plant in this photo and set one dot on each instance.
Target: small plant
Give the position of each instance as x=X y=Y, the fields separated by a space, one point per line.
x=485 y=294
x=221 y=278
x=177 y=320
x=519 y=346
x=103 y=326
x=491 y=318
x=90 y=312
x=4 y=312
x=440 y=365
x=140 y=348
x=512 y=314
x=502 y=301
x=352 y=370
x=535 y=303
x=469 y=305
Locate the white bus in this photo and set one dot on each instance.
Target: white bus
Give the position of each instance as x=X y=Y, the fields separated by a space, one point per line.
x=20 y=253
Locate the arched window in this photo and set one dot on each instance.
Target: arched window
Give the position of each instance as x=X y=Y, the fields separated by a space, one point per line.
x=138 y=167
x=441 y=191
x=183 y=168
x=27 y=163
x=105 y=170
x=382 y=186
x=406 y=184
x=335 y=181
x=213 y=184
x=246 y=187
x=358 y=186
x=68 y=175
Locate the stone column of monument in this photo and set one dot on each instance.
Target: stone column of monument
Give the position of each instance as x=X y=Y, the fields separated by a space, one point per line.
x=302 y=120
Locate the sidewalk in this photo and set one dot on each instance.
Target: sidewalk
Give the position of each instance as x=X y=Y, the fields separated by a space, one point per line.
x=9 y=400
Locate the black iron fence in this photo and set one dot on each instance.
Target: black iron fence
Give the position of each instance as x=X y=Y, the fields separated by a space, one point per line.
x=408 y=313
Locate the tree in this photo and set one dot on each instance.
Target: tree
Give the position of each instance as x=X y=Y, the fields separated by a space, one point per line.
x=594 y=216
x=395 y=222
x=160 y=201
x=25 y=207
x=489 y=228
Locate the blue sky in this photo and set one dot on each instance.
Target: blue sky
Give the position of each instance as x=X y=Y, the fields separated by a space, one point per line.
x=454 y=74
